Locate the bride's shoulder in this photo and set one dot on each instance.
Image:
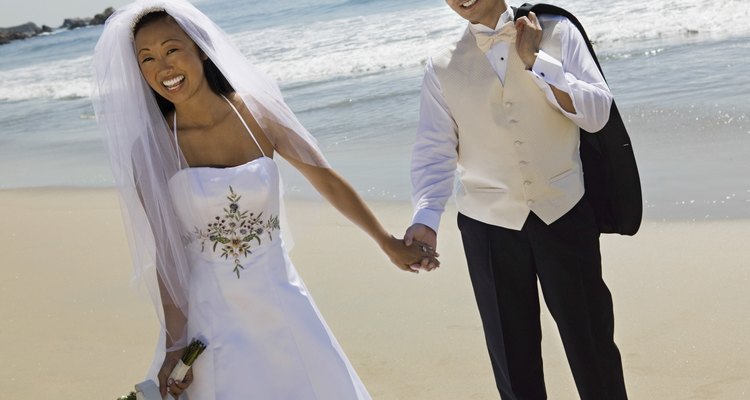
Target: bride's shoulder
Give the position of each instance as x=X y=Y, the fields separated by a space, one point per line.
x=239 y=101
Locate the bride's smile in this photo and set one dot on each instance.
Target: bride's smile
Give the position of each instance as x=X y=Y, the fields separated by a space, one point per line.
x=174 y=83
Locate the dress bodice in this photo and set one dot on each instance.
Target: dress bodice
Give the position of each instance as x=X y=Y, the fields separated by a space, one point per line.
x=228 y=213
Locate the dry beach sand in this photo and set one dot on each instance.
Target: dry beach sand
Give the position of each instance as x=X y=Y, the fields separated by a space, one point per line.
x=72 y=326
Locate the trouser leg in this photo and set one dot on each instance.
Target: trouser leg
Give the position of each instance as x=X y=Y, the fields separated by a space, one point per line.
x=570 y=274
x=503 y=275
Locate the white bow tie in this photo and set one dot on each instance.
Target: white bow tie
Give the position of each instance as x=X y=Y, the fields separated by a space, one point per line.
x=506 y=33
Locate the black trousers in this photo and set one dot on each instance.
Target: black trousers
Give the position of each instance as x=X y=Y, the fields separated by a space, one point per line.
x=564 y=257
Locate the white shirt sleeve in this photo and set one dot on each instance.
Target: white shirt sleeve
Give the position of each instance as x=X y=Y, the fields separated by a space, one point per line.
x=435 y=154
x=577 y=75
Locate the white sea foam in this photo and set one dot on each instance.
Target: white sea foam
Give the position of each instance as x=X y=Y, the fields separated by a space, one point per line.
x=67 y=79
x=352 y=46
x=390 y=40
x=619 y=24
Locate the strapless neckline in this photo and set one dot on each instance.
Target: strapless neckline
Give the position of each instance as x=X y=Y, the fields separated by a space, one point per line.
x=228 y=168
x=232 y=168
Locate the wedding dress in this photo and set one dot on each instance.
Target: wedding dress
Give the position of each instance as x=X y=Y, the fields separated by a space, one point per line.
x=266 y=338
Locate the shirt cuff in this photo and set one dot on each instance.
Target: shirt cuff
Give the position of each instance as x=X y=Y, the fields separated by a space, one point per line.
x=548 y=69
x=427 y=217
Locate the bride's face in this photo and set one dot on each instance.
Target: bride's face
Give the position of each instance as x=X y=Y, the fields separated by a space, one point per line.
x=169 y=60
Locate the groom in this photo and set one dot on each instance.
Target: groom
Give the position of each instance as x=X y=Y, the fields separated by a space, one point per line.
x=503 y=107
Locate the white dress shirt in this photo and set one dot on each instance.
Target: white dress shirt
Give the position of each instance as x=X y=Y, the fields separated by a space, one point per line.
x=435 y=152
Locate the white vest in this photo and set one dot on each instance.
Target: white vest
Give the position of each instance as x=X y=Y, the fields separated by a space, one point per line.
x=516 y=152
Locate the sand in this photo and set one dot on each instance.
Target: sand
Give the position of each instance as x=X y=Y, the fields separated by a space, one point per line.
x=73 y=326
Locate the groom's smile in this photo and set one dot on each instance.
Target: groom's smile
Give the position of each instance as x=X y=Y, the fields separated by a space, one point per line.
x=468 y=4
x=485 y=12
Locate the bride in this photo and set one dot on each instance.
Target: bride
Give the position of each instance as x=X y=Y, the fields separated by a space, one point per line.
x=192 y=128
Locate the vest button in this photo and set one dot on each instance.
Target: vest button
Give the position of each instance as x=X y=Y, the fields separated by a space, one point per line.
x=508 y=104
x=513 y=121
x=527 y=183
x=529 y=202
x=518 y=143
x=523 y=163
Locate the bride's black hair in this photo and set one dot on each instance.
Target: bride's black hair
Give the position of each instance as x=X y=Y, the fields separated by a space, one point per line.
x=216 y=80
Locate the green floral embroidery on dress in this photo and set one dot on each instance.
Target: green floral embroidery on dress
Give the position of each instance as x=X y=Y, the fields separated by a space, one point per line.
x=236 y=230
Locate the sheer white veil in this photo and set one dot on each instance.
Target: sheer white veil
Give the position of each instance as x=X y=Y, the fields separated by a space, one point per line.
x=144 y=155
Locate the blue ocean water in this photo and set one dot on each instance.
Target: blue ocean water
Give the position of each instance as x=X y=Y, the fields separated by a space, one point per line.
x=351 y=70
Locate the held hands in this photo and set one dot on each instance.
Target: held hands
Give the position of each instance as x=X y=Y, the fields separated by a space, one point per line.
x=423 y=235
x=528 y=38
x=165 y=384
x=409 y=257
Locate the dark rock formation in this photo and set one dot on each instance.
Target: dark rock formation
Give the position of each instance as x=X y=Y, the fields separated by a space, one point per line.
x=24 y=31
x=30 y=29
x=72 y=23
x=98 y=19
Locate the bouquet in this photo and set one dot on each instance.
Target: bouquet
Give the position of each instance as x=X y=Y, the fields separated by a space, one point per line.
x=192 y=352
x=148 y=390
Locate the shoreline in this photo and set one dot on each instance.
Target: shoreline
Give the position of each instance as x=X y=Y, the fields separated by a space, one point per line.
x=680 y=214
x=72 y=318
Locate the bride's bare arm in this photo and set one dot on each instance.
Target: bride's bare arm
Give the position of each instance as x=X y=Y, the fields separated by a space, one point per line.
x=346 y=200
x=175 y=326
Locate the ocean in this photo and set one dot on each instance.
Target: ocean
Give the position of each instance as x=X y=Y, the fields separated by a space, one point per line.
x=352 y=70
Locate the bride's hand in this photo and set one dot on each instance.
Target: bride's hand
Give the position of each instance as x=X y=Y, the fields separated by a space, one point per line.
x=166 y=385
x=404 y=256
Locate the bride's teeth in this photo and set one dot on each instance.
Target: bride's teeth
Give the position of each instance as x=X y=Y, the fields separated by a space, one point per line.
x=174 y=81
x=468 y=3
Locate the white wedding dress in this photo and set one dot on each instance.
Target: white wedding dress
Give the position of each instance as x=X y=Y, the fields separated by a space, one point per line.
x=266 y=338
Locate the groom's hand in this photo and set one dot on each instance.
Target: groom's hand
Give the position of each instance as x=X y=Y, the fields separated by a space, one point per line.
x=427 y=236
x=528 y=39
